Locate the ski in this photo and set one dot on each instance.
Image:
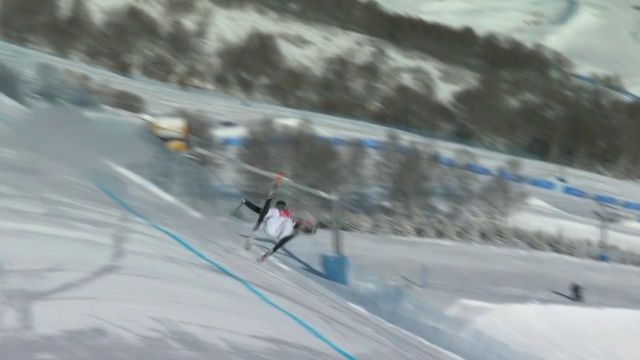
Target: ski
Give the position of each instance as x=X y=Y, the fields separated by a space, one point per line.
x=276 y=184
x=264 y=256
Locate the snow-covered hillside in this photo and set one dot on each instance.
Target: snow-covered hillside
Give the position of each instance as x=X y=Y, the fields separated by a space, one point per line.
x=599 y=36
x=305 y=46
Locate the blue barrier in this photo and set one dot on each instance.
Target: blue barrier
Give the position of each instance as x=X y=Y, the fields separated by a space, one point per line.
x=542 y=183
x=233 y=141
x=335 y=140
x=443 y=160
x=336 y=268
x=605 y=199
x=371 y=143
x=478 y=169
x=504 y=175
x=575 y=192
x=631 y=205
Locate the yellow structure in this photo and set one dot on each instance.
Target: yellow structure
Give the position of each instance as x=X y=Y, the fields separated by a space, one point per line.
x=174 y=130
x=169 y=128
x=177 y=146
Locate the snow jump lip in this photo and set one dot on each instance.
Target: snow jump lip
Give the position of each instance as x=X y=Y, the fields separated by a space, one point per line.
x=185 y=244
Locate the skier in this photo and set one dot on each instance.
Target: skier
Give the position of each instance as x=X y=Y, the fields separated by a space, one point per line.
x=279 y=223
x=576 y=292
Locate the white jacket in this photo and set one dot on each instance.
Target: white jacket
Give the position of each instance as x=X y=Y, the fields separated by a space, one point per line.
x=278 y=224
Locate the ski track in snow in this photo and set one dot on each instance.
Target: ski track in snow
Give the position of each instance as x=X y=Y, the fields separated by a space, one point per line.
x=306 y=326
x=153 y=189
x=108 y=271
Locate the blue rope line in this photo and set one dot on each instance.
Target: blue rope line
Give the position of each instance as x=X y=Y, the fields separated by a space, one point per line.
x=225 y=271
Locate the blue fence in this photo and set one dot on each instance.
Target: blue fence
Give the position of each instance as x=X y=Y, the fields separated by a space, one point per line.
x=631 y=205
x=478 y=169
x=481 y=170
x=505 y=175
x=540 y=183
x=575 y=192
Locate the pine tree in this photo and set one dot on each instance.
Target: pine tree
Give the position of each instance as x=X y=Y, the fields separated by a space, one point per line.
x=315 y=163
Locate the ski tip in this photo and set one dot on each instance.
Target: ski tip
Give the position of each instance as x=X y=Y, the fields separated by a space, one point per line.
x=264 y=256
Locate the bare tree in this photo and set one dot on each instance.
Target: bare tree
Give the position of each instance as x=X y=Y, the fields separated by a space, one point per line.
x=389 y=157
x=458 y=187
x=258 y=152
x=316 y=162
x=410 y=184
x=355 y=165
x=501 y=195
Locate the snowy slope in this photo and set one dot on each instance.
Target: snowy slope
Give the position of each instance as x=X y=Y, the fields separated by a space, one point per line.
x=492 y=303
x=84 y=277
x=587 y=332
x=10 y=107
x=92 y=265
x=112 y=281
x=598 y=36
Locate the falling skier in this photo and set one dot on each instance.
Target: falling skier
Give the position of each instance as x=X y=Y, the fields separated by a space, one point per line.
x=279 y=223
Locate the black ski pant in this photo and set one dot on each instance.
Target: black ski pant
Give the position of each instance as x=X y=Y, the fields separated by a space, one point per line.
x=261 y=211
x=283 y=241
x=255 y=208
